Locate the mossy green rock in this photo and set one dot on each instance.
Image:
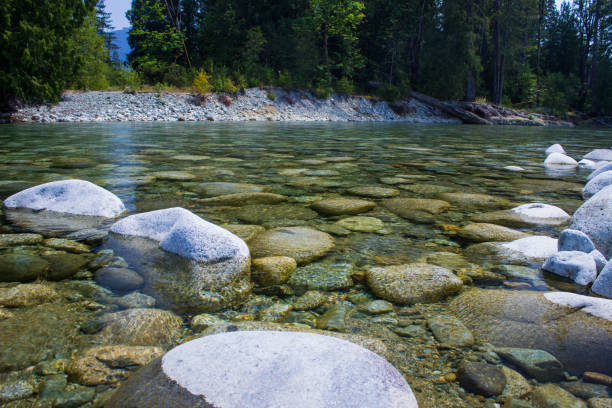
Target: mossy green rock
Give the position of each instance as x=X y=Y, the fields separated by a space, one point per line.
x=21 y=267
x=475 y=201
x=64 y=265
x=483 y=232
x=412 y=283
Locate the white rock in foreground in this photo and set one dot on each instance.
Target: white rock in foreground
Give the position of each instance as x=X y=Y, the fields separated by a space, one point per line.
x=539 y=212
x=575 y=265
x=587 y=304
x=559 y=159
x=600 y=169
x=272 y=369
x=77 y=197
x=182 y=232
x=595 y=185
x=533 y=247
x=594 y=218
x=599 y=154
x=603 y=283
x=556 y=148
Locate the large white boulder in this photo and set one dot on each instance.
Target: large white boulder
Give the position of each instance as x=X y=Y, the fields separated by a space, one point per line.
x=598 y=182
x=603 y=283
x=540 y=213
x=556 y=148
x=574 y=240
x=594 y=218
x=599 y=154
x=211 y=271
x=76 y=197
x=533 y=247
x=575 y=265
x=599 y=170
x=273 y=369
x=559 y=159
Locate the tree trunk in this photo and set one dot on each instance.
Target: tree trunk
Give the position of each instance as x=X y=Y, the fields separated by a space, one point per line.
x=470 y=85
x=417 y=45
x=325 y=34
x=541 y=6
x=595 y=58
x=497 y=59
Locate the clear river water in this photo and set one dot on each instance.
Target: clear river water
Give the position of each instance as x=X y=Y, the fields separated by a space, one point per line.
x=162 y=165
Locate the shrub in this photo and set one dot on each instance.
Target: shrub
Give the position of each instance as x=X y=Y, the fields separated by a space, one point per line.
x=201 y=83
x=345 y=86
x=388 y=93
x=271 y=95
x=323 y=92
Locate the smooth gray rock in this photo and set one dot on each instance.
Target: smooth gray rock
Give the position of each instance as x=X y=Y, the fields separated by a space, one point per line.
x=267 y=369
x=599 y=154
x=599 y=170
x=600 y=260
x=595 y=185
x=21 y=267
x=120 y=279
x=575 y=265
x=574 y=240
x=77 y=197
x=304 y=244
x=188 y=264
x=556 y=148
x=539 y=213
x=539 y=364
x=559 y=159
x=481 y=378
x=593 y=218
x=450 y=331
x=603 y=284
x=412 y=283
x=575 y=329
x=553 y=396
x=135 y=300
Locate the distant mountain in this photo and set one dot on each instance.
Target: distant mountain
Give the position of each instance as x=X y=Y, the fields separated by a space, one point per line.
x=121 y=41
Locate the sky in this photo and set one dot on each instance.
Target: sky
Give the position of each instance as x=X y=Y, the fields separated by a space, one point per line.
x=117 y=8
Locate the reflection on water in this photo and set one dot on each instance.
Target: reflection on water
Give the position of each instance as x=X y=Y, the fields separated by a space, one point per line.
x=155 y=166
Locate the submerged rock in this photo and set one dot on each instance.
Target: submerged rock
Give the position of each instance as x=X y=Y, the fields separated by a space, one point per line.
x=304 y=244
x=120 y=279
x=273 y=270
x=475 y=201
x=342 y=206
x=20 y=239
x=551 y=395
x=21 y=267
x=327 y=275
x=538 y=364
x=481 y=378
x=241 y=199
x=200 y=267
x=63 y=265
x=110 y=364
x=528 y=251
x=566 y=325
x=450 y=331
x=26 y=295
x=76 y=197
x=141 y=327
x=482 y=232
x=220 y=188
x=361 y=224
x=593 y=218
x=373 y=191
x=412 y=283
x=526 y=215
x=347 y=375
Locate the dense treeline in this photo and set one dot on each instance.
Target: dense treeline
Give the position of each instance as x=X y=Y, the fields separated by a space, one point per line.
x=524 y=53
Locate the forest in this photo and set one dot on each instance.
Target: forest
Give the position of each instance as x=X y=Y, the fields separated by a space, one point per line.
x=527 y=54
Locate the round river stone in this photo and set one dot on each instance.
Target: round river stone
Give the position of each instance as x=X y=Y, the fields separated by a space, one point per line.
x=266 y=369
x=303 y=244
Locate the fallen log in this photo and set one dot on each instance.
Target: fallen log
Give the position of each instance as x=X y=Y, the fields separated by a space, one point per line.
x=451 y=109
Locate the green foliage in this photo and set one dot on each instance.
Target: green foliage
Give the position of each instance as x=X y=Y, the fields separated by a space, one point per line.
x=92 y=68
x=271 y=95
x=37 y=60
x=345 y=86
x=389 y=93
x=201 y=83
x=322 y=92
x=559 y=92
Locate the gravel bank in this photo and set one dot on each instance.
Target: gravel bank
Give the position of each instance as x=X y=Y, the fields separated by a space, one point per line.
x=273 y=104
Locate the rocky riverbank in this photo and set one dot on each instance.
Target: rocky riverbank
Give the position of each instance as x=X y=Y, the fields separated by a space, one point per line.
x=267 y=104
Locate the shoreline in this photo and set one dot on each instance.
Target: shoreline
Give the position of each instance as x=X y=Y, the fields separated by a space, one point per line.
x=264 y=104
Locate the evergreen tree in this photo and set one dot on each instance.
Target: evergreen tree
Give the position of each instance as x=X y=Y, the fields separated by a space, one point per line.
x=37 y=60
x=104 y=26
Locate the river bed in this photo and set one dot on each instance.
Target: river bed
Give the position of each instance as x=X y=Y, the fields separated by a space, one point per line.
x=158 y=166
